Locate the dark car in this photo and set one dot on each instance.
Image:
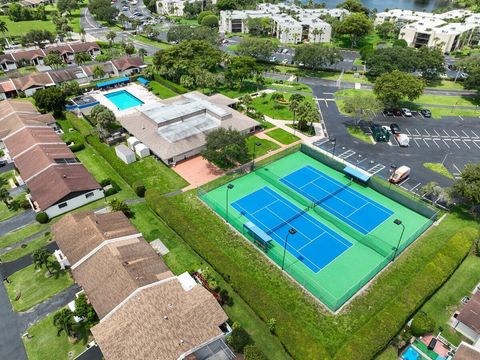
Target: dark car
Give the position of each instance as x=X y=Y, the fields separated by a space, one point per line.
x=388 y=112
x=426 y=113
x=3 y=163
x=395 y=129
x=379 y=133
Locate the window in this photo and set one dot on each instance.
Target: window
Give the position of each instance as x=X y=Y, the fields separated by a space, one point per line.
x=62 y=205
x=90 y=194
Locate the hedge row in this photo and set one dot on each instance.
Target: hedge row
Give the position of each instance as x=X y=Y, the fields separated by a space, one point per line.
x=410 y=298
x=179 y=89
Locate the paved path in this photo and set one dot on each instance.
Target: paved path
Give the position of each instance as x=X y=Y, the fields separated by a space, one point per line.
x=17 y=190
x=282 y=124
x=17 y=222
x=11 y=267
x=24 y=241
x=38 y=312
x=11 y=345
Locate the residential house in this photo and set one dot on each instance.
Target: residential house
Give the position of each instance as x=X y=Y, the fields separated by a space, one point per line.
x=56 y=179
x=35 y=3
x=467 y=352
x=467 y=320
x=175 y=7
x=29 y=84
x=145 y=311
x=176 y=129
x=7 y=89
x=128 y=65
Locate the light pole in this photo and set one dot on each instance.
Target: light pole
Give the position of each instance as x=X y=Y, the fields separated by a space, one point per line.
x=292 y=231
x=229 y=187
x=398 y=222
x=334 y=142
x=253 y=159
x=393 y=167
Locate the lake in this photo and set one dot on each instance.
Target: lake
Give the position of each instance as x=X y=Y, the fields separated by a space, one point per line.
x=381 y=5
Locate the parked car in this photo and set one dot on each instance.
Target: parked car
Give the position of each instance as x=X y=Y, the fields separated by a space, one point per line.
x=400 y=174
x=379 y=133
x=402 y=139
x=285 y=51
x=3 y=163
x=285 y=61
x=273 y=59
x=388 y=112
x=397 y=112
x=426 y=113
x=406 y=112
x=395 y=129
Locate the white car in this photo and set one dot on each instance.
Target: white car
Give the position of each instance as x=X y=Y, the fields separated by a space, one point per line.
x=406 y=112
x=285 y=61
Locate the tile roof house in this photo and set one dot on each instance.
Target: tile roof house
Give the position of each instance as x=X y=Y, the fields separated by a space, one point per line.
x=128 y=65
x=133 y=291
x=33 y=82
x=467 y=352
x=57 y=181
x=467 y=321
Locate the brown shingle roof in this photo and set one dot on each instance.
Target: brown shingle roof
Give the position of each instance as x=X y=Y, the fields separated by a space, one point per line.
x=470 y=314
x=466 y=352
x=28 y=54
x=78 y=234
x=16 y=114
x=107 y=67
x=33 y=80
x=138 y=330
x=83 y=47
x=9 y=106
x=59 y=182
x=6 y=59
x=29 y=136
x=7 y=86
x=116 y=270
x=126 y=62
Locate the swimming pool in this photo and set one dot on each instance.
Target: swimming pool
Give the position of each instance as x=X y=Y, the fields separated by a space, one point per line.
x=123 y=99
x=411 y=354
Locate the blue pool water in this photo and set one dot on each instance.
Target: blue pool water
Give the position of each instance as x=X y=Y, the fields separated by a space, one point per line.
x=411 y=354
x=123 y=99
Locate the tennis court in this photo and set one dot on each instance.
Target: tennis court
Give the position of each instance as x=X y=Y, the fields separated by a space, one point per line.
x=348 y=205
x=346 y=232
x=314 y=244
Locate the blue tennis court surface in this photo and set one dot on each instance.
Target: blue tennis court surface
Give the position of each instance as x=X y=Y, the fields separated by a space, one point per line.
x=314 y=244
x=348 y=205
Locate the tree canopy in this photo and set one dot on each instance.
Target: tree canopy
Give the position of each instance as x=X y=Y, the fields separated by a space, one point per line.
x=54 y=60
x=240 y=69
x=259 y=26
x=38 y=38
x=67 y=5
x=471 y=65
x=179 y=33
x=226 y=148
x=356 y=25
x=210 y=21
x=103 y=10
x=50 y=99
x=391 y=88
x=354 y=6
x=261 y=49
x=316 y=56
x=362 y=107
x=468 y=186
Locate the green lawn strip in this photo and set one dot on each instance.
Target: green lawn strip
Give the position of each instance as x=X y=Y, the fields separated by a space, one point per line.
x=357 y=132
x=443 y=304
x=438 y=112
x=27 y=248
x=304 y=330
x=6 y=212
x=161 y=91
x=34 y=286
x=101 y=170
x=290 y=87
x=390 y=353
x=20 y=28
x=274 y=109
x=282 y=136
x=445 y=100
x=152 y=173
x=440 y=169
x=445 y=84
x=265 y=147
x=157 y=44
x=15 y=236
x=46 y=343
x=183 y=258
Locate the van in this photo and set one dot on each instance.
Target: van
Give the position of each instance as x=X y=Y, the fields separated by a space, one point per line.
x=400 y=174
x=402 y=139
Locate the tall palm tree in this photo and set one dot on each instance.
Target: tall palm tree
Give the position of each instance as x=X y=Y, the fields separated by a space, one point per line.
x=64 y=321
x=142 y=53
x=40 y=258
x=98 y=72
x=5 y=197
x=110 y=37
x=317 y=33
x=3 y=27
x=82 y=34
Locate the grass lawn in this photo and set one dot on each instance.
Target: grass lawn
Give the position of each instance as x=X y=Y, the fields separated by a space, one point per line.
x=439 y=168
x=15 y=236
x=157 y=44
x=19 y=28
x=438 y=113
x=182 y=258
x=390 y=353
x=35 y=287
x=447 y=100
x=27 y=249
x=282 y=136
x=356 y=132
x=161 y=91
x=7 y=213
x=443 y=304
x=45 y=344
x=265 y=147
x=274 y=109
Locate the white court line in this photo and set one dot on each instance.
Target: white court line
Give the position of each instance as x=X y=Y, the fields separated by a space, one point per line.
x=361 y=207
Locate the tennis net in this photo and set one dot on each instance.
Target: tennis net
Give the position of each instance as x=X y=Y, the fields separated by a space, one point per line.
x=289 y=220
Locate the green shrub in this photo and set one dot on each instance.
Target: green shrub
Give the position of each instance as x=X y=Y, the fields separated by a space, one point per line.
x=105 y=182
x=77 y=147
x=111 y=191
x=251 y=352
x=42 y=217
x=422 y=324
x=239 y=338
x=139 y=188
x=272 y=323
x=477 y=248
x=115 y=186
x=24 y=203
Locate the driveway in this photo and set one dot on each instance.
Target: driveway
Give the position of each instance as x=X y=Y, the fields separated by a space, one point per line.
x=454 y=141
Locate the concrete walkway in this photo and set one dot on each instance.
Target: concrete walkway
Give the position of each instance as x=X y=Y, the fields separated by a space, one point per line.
x=11 y=267
x=17 y=222
x=282 y=124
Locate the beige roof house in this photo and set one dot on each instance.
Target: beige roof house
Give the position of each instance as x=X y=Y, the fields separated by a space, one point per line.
x=163 y=321
x=176 y=129
x=467 y=352
x=470 y=314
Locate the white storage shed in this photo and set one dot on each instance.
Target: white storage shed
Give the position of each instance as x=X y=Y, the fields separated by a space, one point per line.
x=125 y=154
x=141 y=150
x=132 y=141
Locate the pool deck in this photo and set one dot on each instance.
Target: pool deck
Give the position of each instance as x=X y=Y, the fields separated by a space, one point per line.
x=135 y=89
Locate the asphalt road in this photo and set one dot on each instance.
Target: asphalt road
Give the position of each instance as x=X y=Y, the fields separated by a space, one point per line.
x=11 y=345
x=454 y=141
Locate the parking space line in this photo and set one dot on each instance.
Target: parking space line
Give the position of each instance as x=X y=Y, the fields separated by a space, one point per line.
x=428 y=134
x=375 y=169
x=473 y=132
x=403 y=182
x=475 y=143
x=437 y=133
x=455 y=142
x=358 y=162
x=466 y=144
x=435 y=142
x=425 y=141
x=445 y=142
x=466 y=135
x=346 y=154
x=418 y=132
x=446 y=133
x=408 y=131
x=416 y=143
x=458 y=170
x=413 y=188
x=455 y=133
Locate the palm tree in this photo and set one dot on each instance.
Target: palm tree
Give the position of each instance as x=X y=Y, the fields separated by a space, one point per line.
x=149 y=72
x=64 y=321
x=41 y=257
x=123 y=19
x=98 y=72
x=110 y=37
x=316 y=32
x=82 y=34
x=3 y=27
x=295 y=101
x=142 y=53
x=82 y=57
x=5 y=197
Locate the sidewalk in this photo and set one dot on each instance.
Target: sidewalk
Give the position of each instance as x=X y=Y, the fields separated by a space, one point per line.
x=282 y=124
